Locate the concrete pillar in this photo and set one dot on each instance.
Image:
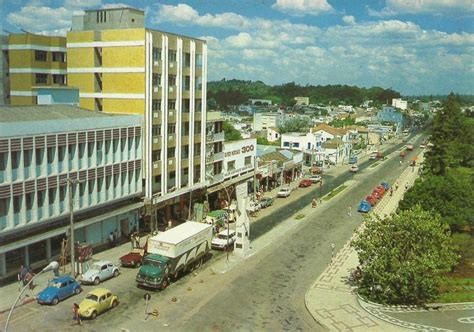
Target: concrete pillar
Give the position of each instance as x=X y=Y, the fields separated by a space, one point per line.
x=48 y=249
x=27 y=256
x=3 y=265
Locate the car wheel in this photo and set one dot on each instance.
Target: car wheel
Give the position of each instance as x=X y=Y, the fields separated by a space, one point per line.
x=55 y=301
x=114 y=303
x=96 y=281
x=116 y=273
x=164 y=283
x=77 y=290
x=94 y=314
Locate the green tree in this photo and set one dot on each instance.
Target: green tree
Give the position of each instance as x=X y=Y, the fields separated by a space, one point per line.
x=297 y=124
x=450 y=135
x=451 y=196
x=230 y=133
x=403 y=257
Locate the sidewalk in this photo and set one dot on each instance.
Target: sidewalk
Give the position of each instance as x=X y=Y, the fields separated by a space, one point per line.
x=332 y=302
x=10 y=292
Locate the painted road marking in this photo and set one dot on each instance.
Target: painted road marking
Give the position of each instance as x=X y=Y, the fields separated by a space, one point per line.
x=466 y=320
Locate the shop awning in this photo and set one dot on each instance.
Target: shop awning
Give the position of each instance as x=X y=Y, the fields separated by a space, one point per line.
x=219 y=186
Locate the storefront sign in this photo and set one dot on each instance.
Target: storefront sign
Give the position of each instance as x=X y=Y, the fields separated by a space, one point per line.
x=244 y=149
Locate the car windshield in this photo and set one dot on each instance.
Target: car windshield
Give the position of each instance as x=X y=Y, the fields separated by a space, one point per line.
x=54 y=284
x=152 y=262
x=96 y=267
x=92 y=297
x=222 y=237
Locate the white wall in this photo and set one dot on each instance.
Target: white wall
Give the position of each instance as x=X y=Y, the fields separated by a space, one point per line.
x=236 y=152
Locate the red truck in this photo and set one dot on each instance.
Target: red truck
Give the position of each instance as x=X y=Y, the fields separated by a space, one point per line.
x=134 y=258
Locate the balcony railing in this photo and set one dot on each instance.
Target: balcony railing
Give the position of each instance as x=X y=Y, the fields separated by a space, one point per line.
x=212 y=157
x=215 y=137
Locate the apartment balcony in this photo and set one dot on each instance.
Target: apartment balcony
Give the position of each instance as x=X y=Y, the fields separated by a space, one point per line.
x=215 y=137
x=213 y=157
x=197 y=160
x=171 y=164
x=185 y=140
x=197 y=139
x=156 y=168
x=172 y=116
x=171 y=140
x=156 y=143
x=214 y=178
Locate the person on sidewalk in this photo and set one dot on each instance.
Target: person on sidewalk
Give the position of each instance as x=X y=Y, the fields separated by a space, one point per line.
x=314 y=203
x=22 y=274
x=349 y=211
x=111 y=239
x=75 y=314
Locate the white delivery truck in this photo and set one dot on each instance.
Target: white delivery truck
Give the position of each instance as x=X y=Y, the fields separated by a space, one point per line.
x=170 y=253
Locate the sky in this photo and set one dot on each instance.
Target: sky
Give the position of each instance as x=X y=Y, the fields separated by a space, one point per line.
x=417 y=47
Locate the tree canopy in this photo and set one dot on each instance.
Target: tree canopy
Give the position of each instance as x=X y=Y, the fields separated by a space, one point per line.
x=403 y=257
x=230 y=133
x=452 y=135
x=294 y=125
x=451 y=196
x=234 y=92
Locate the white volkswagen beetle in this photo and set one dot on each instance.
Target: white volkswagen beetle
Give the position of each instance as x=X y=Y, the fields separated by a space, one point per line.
x=99 y=271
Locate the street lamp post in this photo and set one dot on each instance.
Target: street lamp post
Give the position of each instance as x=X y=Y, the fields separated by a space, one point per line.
x=51 y=266
x=71 y=183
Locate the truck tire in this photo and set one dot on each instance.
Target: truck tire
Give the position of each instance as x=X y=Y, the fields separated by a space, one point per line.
x=199 y=263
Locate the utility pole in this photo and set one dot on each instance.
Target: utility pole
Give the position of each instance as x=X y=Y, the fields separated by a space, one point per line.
x=71 y=224
x=254 y=179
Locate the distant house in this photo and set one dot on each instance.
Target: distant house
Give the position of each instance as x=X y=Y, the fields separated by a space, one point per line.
x=263 y=121
x=273 y=134
x=301 y=141
x=399 y=103
x=301 y=101
x=334 y=150
x=390 y=114
x=247 y=109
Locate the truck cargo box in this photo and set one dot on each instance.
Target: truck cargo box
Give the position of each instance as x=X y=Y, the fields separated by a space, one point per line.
x=178 y=240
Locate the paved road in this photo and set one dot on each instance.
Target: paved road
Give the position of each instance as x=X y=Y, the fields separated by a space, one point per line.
x=264 y=293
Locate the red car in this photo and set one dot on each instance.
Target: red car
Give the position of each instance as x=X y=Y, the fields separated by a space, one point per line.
x=371 y=199
x=377 y=194
x=305 y=183
x=381 y=189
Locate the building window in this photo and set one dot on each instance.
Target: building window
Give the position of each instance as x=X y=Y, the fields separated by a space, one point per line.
x=41 y=197
x=186 y=105
x=171 y=152
x=158 y=179
x=197 y=128
x=172 y=80
x=16 y=204
x=59 y=79
x=197 y=105
x=171 y=129
x=286 y=144
x=187 y=59
x=156 y=54
x=197 y=149
x=59 y=57
x=171 y=56
x=248 y=160
x=39 y=157
x=41 y=78
x=156 y=105
x=156 y=155
x=3 y=207
x=186 y=83
x=51 y=196
x=185 y=128
x=198 y=60
x=29 y=200
x=198 y=83
x=156 y=130
x=62 y=194
x=15 y=159
x=41 y=55
x=185 y=152
x=156 y=80
x=231 y=165
x=172 y=104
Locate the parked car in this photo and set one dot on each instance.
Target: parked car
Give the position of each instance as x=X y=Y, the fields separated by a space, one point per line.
x=305 y=183
x=386 y=185
x=381 y=189
x=354 y=169
x=364 y=207
x=422 y=145
x=266 y=202
x=58 y=289
x=217 y=217
x=96 y=302
x=353 y=159
x=222 y=240
x=330 y=162
x=377 y=194
x=315 y=178
x=284 y=192
x=371 y=199
x=253 y=206
x=373 y=155
x=99 y=271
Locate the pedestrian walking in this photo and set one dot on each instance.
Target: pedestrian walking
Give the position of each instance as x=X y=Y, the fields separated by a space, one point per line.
x=75 y=314
x=400 y=163
x=391 y=191
x=349 y=211
x=314 y=203
x=22 y=275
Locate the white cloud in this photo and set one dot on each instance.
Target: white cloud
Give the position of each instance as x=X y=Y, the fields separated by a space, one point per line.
x=349 y=19
x=44 y=20
x=243 y=39
x=436 y=7
x=82 y=4
x=115 y=5
x=302 y=7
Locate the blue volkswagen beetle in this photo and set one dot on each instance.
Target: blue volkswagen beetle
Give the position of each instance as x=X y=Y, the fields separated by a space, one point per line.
x=364 y=206
x=58 y=289
x=386 y=185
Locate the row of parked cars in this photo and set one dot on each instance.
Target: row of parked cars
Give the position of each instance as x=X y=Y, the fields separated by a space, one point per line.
x=372 y=199
x=95 y=302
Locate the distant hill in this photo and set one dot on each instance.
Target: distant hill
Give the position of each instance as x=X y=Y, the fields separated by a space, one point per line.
x=235 y=92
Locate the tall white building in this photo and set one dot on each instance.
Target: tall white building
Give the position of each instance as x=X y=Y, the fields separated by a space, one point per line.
x=399 y=103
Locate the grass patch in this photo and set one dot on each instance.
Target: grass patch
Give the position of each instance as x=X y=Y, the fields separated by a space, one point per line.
x=459 y=284
x=299 y=216
x=334 y=192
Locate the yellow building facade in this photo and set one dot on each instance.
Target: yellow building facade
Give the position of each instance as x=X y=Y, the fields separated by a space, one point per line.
x=120 y=66
x=30 y=61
